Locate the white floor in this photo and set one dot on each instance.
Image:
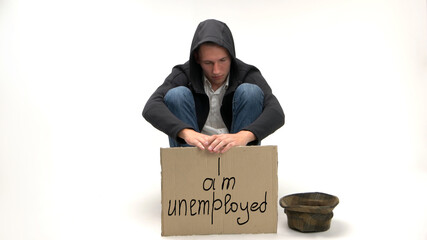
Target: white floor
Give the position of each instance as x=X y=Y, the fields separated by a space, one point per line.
x=97 y=199
x=78 y=161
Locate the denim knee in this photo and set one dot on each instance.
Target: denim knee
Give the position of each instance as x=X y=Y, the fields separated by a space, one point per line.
x=249 y=94
x=177 y=96
x=248 y=102
x=180 y=102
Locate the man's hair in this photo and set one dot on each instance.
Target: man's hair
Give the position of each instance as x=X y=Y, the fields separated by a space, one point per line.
x=209 y=43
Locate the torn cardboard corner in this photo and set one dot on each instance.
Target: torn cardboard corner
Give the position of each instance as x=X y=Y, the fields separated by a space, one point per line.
x=205 y=193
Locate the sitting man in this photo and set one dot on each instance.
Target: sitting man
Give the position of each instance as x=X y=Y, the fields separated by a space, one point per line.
x=214 y=101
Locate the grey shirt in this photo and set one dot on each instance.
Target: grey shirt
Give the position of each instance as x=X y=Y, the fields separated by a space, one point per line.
x=214 y=123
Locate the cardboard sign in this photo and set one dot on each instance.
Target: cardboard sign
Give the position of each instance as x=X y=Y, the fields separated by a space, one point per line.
x=205 y=193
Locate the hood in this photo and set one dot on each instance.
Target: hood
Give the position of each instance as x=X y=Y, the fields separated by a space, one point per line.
x=210 y=30
x=213 y=31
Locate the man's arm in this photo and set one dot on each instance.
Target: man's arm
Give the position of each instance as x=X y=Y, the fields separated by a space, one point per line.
x=272 y=116
x=155 y=110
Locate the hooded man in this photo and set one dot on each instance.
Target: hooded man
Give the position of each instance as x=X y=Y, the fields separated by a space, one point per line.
x=214 y=101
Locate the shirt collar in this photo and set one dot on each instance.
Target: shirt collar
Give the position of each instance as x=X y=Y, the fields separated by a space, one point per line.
x=206 y=82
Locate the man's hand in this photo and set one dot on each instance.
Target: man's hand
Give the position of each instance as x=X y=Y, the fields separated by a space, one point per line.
x=223 y=142
x=216 y=143
x=194 y=138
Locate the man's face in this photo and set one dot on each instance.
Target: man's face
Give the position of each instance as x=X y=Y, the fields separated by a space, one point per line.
x=215 y=63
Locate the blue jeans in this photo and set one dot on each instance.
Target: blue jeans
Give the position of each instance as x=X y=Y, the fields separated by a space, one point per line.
x=248 y=102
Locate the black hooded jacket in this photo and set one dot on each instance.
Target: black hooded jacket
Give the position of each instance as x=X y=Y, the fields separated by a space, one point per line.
x=190 y=74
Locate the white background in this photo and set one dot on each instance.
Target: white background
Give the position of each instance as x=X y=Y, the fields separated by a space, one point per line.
x=78 y=161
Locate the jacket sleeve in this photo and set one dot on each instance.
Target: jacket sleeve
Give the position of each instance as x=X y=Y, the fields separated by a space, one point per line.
x=272 y=116
x=157 y=113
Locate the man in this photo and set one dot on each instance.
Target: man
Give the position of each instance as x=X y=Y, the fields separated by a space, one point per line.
x=214 y=101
